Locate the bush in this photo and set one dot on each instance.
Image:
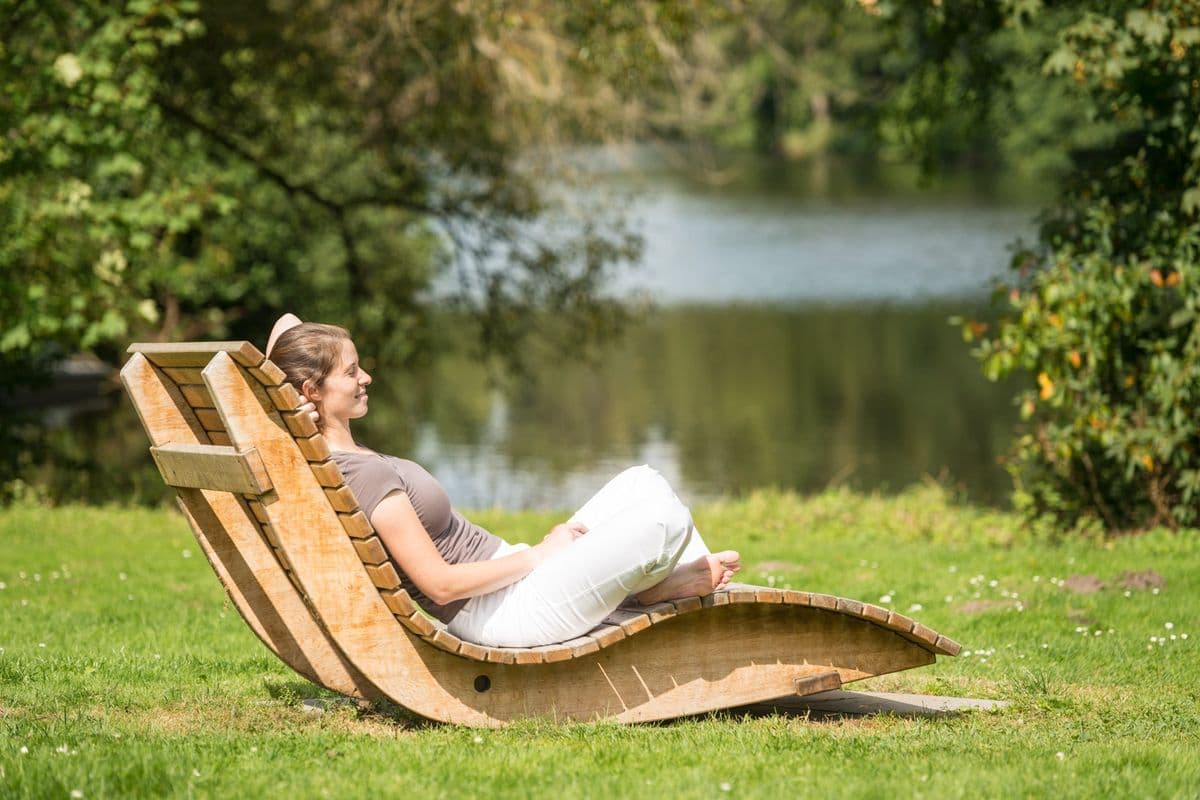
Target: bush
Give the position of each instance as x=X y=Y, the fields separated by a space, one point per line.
x=1102 y=315
x=1114 y=349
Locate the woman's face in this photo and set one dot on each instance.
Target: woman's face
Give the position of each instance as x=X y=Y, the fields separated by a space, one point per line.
x=343 y=393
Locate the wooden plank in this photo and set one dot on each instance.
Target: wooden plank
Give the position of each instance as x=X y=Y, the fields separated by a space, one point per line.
x=328 y=474
x=268 y=374
x=371 y=550
x=630 y=621
x=472 y=650
x=606 y=635
x=210 y=419
x=399 y=602
x=925 y=633
x=419 y=623
x=660 y=611
x=342 y=499
x=947 y=646
x=795 y=598
x=683 y=605
x=356 y=525
x=553 y=653
x=384 y=575
x=314 y=448
x=768 y=595
x=900 y=623
x=582 y=646
x=196 y=395
x=201 y=466
x=445 y=640
x=826 y=601
x=285 y=397
x=220 y=438
x=528 y=655
x=257 y=509
x=820 y=682
x=501 y=655
x=300 y=423
x=182 y=375
x=848 y=606
x=196 y=354
x=269 y=533
x=715 y=599
x=742 y=594
x=875 y=613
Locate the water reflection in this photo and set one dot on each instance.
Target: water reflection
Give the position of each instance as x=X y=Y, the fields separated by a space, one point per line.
x=721 y=399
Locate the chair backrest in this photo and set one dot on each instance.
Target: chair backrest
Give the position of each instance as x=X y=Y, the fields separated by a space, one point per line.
x=214 y=464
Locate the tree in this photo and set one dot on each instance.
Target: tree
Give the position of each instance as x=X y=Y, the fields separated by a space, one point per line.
x=185 y=169
x=1101 y=314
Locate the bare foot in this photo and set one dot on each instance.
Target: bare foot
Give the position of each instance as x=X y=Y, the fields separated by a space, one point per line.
x=705 y=575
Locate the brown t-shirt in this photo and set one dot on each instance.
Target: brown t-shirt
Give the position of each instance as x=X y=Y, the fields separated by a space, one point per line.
x=373 y=476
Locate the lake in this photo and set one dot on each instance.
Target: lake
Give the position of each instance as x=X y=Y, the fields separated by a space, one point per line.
x=799 y=340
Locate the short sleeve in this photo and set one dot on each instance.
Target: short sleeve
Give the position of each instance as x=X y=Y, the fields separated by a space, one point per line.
x=371 y=479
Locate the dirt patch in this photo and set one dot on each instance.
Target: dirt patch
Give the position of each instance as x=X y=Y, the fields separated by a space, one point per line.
x=983 y=606
x=1142 y=580
x=1083 y=584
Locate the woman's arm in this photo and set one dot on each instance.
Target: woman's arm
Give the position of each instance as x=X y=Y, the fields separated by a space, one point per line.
x=397 y=523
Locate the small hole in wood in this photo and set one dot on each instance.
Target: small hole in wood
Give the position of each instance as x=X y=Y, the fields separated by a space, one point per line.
x=482 y=683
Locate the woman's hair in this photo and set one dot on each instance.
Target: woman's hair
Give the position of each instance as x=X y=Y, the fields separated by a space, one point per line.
x=309 y=352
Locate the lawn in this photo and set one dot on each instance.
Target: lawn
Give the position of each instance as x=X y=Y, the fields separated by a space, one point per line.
x=124 y=671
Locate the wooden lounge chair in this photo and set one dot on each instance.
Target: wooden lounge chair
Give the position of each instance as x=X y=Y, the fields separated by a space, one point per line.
x=305 y=569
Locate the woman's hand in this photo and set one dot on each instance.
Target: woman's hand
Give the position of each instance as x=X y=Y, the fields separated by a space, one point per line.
x=560 y=537
x=309 y=408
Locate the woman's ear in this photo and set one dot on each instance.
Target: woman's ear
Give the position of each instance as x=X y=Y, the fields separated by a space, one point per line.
x=310 y=392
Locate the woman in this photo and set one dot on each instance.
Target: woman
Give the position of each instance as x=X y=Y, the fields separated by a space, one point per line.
x=633 y=538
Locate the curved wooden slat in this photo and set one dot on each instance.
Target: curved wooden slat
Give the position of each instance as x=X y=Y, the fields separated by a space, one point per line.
x=228 y=535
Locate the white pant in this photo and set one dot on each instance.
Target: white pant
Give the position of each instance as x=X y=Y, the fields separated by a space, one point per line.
x=637 y=532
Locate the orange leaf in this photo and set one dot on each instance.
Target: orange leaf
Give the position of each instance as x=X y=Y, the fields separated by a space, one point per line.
x=1075 y=359
x=1156 y=277
x=1173 y=279
x=1047 y=386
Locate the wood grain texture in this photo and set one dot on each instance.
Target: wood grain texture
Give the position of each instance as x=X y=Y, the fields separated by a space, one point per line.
x=206 y=466
x=196 y=354
x=230 y=539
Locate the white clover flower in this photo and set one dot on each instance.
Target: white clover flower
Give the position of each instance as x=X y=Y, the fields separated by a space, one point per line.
x=1183 y=636
x=63 y=749
x=187 y=553
x=1037 y=578
x=41 y=644
x=916 y=607
x=77 y=793
x=1169 y=625
x=953 y=568
x=3 y=585
x=68 y=69
x=1154 y=590
x=949 y=598
x=725 y=787
x=1128 y=593
x=37 y=577
x=1060 y=755
x=24 y=750
x=477 y=739
x=887 y=598
x=993 y=583
x=122 y=576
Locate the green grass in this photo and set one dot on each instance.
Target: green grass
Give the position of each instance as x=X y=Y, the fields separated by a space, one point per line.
x=124 y=671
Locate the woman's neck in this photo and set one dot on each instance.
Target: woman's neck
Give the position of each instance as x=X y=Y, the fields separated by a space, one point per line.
x=337 y=435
